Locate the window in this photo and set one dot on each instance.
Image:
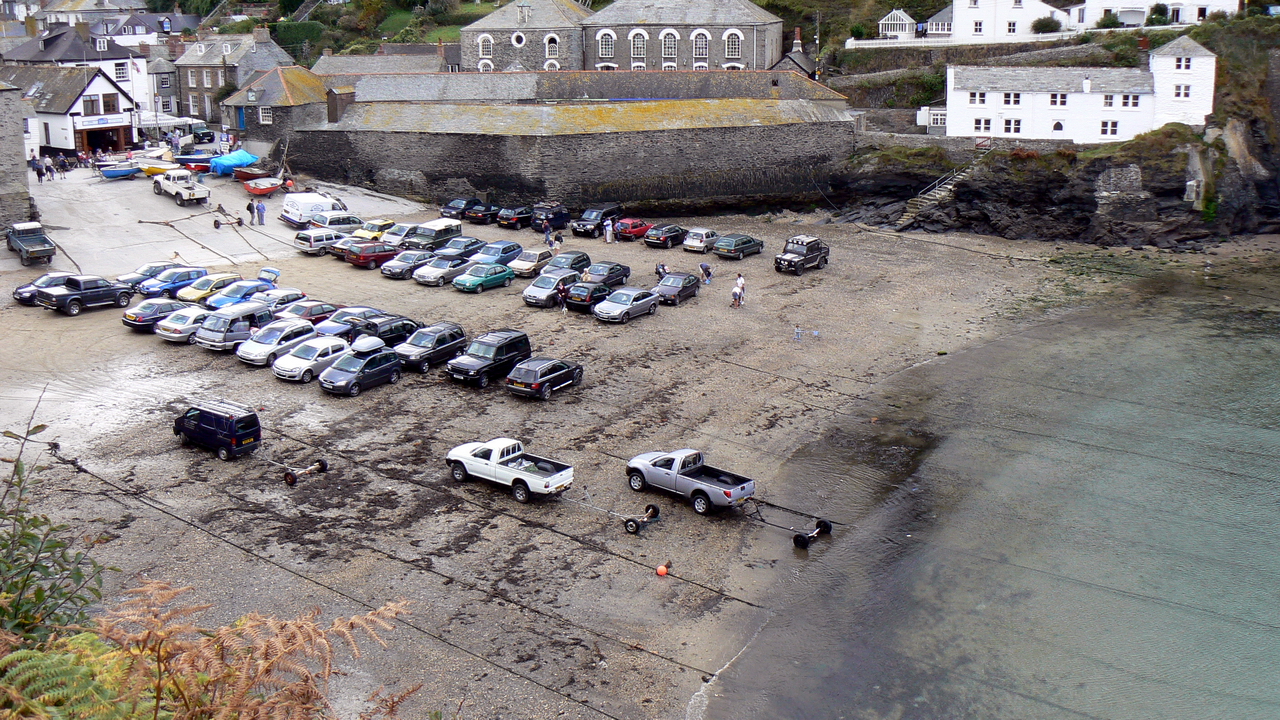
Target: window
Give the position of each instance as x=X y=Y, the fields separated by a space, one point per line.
x=1013 y=98
x=110 y=103
x=973 y=3
x=485 y=66
x=938 y=119
x=733 y=45
x=1175 y=15
x=1202 y=14
x=486 y=46
x=1182 y=91
x=89 y=105
x=1110 y=127
x=701 y=66
x=517 y=40
x=1057 y=127
x=1013 y=126
x=264 y=116
x=553 y=47
x=208 y=78
x=1108 y=100
x=165 y=25
x=639 y=65
x=977 y=27
x=606 y=45
x=977 y=98
x=101 y=45
x=164 y=80
x=199 y=48
x=982 y=125
x=221 y=79
x=1058 y=99
x=669 y=45
x=1182 y=63
x=1013 y=28
x=191 y=78
x=701 y=45
x=638 y=45
x=192 y=107
x=1080 y=15
x=1128 y=101
x=668 y=66
x=551 y=65
x=1017 y=3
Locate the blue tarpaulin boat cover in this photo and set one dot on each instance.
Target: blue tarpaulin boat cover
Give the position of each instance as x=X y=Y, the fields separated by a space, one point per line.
x=224 y=164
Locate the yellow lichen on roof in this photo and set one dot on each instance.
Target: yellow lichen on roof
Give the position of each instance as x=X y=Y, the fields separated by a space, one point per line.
x=301 y=86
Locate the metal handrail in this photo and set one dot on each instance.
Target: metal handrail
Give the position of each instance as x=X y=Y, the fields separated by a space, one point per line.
x=963 y=169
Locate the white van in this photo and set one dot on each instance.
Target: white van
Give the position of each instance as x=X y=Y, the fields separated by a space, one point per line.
x=299 y=208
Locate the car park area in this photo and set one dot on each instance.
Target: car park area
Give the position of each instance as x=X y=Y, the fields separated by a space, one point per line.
x=546 y=609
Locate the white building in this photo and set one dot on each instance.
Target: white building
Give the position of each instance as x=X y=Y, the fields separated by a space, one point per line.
x=978 y=22
x=1084 y=105
x=897 y=24
x=75 y=108
x=1134 y=14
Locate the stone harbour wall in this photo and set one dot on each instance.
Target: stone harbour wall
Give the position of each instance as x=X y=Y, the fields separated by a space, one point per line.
x=15 y=194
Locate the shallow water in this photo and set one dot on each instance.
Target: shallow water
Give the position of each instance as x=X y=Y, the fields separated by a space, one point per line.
x=1095 y=535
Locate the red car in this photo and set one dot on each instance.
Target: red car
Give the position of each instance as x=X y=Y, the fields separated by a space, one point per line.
x=312 y=310
x=371 y=254
x=631 y=228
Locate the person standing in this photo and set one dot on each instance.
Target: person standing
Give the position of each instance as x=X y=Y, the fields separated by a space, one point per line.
x=562 y=294
x=48 y=166
x=736 y=295
x=558 y=241
x=608 y=230
x=706 y=273
x=262 y=213
x=34 y=160
x=39 y=167
x=251 y=210
x=741 y=284
x=546 y=233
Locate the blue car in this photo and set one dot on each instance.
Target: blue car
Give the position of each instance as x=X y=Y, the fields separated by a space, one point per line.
x=170 y=281
x=498 y=253
x=242 y=290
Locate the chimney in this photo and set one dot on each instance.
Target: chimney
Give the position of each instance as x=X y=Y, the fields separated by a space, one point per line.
x=261 y=35
x=327 y=52
x=82 y=29
x=440 y=47
x=797 y=45
x=338 y=102
x=1087 y=86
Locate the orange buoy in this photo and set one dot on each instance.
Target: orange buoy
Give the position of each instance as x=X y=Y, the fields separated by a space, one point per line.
x=664 y=568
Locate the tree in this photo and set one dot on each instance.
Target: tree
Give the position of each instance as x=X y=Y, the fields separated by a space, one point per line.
x=1047 y=24
x=1109 y=20
x=1158 y=15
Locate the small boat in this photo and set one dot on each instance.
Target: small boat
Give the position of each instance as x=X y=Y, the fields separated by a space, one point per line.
x=250 y=173
x=201 y=167
x=263 y=186
x=124 y=169
x=157 y=167
x=195 y=157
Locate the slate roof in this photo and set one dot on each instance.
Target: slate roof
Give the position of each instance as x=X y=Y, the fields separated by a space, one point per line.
x=943 y=16
x=1051 y=79
x=1183 y=47
x=282 y=87
x=799 y=59
x=150 y=21
x=543 y=14
x=682 y=12
x=156 y=66
x=255 y=54
x=578 y=118
x=64 y=44
x=93 y=6
x=51 y=89
x=377 y=64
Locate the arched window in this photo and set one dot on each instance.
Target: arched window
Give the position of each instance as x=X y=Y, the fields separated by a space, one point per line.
x=701 y=44
x=700 y=66
x=639 y=46
x=669 y=38
x=732 y=45
x=605 y=41
x=485 y=66
x=551 y=65
x=486 y=47
x=668 y=66
x=553 y=47
x=1057 y=127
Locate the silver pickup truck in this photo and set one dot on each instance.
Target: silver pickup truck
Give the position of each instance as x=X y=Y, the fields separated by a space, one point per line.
x=682 y=472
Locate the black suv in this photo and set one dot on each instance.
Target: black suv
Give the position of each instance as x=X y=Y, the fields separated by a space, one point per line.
x=549 y=213
x=538 y=377
x=490 y=356
x=391 y=329
x=432 y=344
x=592 y=220
x=515 y=217
x=370 y=362
x=459 y=207
x=228 y=428
x=667 y=235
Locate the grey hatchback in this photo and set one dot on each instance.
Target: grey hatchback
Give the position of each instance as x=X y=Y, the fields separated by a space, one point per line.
x=370 y=362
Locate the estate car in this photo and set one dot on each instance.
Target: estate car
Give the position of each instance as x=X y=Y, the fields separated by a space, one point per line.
x=540 y=376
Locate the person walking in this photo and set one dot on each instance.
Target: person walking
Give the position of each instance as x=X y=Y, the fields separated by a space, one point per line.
x=608 y=230
x=559 y=241
x=251 y=210
x=741 y=284
x=562 y=294
x=546 y=233
x=706 y=273
x=39 y=167
x=48 y=166
x=262 y=213
x=33 y=161
x=62 y=167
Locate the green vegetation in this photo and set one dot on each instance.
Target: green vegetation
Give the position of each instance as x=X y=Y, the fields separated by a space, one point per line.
x=1158 y=15
x=396 y=21
x=1109 y=21
x=1047 y=24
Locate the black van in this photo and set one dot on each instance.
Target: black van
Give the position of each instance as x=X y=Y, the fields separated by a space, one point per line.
x=228 y=428
x=490 y=356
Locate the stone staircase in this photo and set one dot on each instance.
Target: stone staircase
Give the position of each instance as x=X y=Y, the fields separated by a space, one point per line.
x=939 y=191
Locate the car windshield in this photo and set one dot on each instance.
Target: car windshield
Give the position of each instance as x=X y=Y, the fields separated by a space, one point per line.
x=422 y=339
x=480 y=349
x=216 y=324
x=247 y=424
x=591 y=215
x=672 y=281
x=654 y=232
x=409 y=257
x=478 y=271
x=349 y=363
x=796 y=248
x=458 y=244
x=306 y=351
x=562 y=261
x=621 y=297
x=545 y=281
x=443 y=263
x=203 y=283
x=397 y=230
x=267 y=335
x=372 y=227
x=234 y=290
x=598 y=269
x=579 y=291
x=147 y=306
x=523 y=374
x=490 y=250
x=170 y=275
x=343 y=315
x=151 y=268
x=458 y=204
x=50 y=280
x=528 y=256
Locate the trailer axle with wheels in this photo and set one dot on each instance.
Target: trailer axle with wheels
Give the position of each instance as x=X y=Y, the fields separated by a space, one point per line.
x=291 y=474
x=802 y=540
x=633 y=525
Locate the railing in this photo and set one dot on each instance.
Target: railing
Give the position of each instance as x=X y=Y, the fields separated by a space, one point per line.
x=852 y=44
x=954 y=173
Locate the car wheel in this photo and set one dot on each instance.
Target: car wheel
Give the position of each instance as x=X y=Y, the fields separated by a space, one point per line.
x=479 y=288
x=271 y=359
x=166 y=294
x=178 y=199
x=155 y=188
x=372 y=265
x=636 y=481
x=653 y=308
x=483 y=381
x=626 y=318
x=546 y=392
x=577 y=376
x=595 y=233
x=122 y=300
x=822 y=262
x=73 y=308
x=675 y=300
x=701 y=503
x=506 y=283
x=191 y=339
x=520 y=492
x=307 y=376
x=395 y=377
x=355 y=389
x=458 y=471
x=224 y=454
x=742 y=255
x=799 y=269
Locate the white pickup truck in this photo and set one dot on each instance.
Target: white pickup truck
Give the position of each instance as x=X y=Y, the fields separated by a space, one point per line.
x=504 y=461
x=181 y=186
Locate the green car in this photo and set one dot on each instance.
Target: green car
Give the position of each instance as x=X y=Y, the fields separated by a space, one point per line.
x=737 y=246
x=482 y=277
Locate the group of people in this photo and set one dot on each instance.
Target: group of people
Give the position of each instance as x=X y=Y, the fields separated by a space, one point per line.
x=51 y=167
x=260 y=209
x=553 y=241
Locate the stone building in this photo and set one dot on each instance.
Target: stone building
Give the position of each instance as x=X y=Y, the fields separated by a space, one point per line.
x=216 y=61
x=15 y=196
x=163 y=75
x=682 y=35
x=274 y=102
x=526 y=35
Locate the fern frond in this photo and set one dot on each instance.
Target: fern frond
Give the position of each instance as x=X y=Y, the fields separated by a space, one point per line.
x=53 y=684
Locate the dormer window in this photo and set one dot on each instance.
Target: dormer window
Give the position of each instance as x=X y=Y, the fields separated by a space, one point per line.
x=102 y=45
x=199 y=48
x=165 y=25
x=226 y=48
x=41 y=46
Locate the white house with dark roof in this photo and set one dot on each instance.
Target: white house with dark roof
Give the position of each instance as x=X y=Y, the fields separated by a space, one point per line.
x=975 y=22
x=1083 y=16
x=1084 y=105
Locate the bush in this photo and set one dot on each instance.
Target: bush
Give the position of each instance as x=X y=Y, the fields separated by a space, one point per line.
x=1108 y=21
x=243 y=27
x=1066 y=153
x=858 y=31
x=291 y=35
x=1046 y=24
x=1019 y=153
x=1154 y=20
x=1159 y=9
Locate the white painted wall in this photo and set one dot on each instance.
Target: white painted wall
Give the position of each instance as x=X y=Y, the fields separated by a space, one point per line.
x=137 y=83
x=995 y=16
x=1135 y=13
x=1200 y=80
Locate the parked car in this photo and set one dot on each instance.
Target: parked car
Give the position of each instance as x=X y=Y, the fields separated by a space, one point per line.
x=737 y=246
x=432 y=344
x=551 y=214
x=515 y=217
x=490 y=356
x=242 y=290
x=368 y=363
x=499 y=253
x=84 y=291
x=202 y=134
x=675 y=288
x=181 y=326
x=609 y=273
x=484 y=276
x=456 y=209
x=540 y=376
x=309 y=359
x=396 y=233
x=460 y=247
x=801 y=253
x=666 y=235
x=340 y=322
x=279 y=298
x=442 y=270
x=146 y=272
x=631 y=229
x=299 y=207
x=405 y=262
x=569 y=260
x=592 y=220
x=504 y=461
x=170 y=281
x=392 y=329
x=229 y=429
x=374 y=230
x=26 y=294
x=339 y=220
x=371 y=254
x=626 y=303
x=313 y=311
x=206 y=286
x=338 y=248
x=700 y=240
x=147 y=313
x=482 y=214
x=543 y=291
x=583 y=296
x=530 y=262
x=316 y=241
x=227 y=328
x=274 y=340
x=683 y=472
x=431 y=235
